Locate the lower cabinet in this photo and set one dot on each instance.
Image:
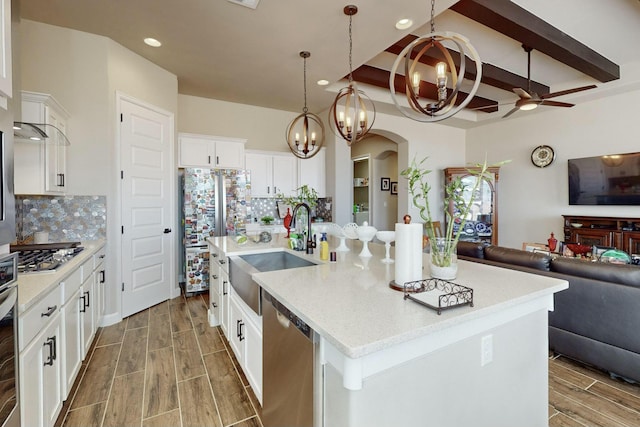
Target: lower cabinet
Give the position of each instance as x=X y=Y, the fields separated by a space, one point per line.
x=40 y=377
x=72 y=338
x=54 y=336
x=88 y=324
x=245 y=338
x=225 y=289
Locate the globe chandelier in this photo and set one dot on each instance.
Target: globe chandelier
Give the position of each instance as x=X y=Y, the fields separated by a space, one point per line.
x=352 y=113
x=305 y=133
x=445 y=104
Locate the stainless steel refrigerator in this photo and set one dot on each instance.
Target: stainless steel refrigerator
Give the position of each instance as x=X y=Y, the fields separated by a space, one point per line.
x=215 y=202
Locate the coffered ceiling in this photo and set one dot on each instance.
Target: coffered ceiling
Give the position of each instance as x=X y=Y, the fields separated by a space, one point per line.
x=222 y=50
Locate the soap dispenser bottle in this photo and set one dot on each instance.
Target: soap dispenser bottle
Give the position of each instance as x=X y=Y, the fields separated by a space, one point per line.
x=324 y=247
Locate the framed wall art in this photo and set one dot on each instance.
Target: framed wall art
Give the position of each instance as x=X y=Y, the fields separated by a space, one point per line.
x=394 y=187
x=385 y=184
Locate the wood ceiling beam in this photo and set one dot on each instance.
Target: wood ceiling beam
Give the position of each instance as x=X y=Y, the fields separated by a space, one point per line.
x=380 y=78
x=491 y=75
x=519 y=24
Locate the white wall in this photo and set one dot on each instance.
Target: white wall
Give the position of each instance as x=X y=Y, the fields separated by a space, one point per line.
x=263 y=128
x=72 y=67
x=443 y=145
x=83 y=72
x=532 y=200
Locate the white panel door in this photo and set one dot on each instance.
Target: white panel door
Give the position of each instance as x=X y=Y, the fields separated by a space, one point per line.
x=147 y=206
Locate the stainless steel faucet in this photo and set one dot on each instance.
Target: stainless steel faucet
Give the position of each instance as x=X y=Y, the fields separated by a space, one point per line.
x=310 y=242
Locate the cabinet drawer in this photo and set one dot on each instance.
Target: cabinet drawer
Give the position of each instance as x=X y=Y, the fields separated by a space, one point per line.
x=31 y=322
x=98 y=258
x=86 y=269
x=71 y=284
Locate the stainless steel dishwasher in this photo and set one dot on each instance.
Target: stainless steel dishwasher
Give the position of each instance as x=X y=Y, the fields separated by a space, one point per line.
x=291 y=385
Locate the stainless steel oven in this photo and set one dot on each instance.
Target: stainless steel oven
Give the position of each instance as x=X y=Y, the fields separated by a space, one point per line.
x=7 y=200
x=9 y=370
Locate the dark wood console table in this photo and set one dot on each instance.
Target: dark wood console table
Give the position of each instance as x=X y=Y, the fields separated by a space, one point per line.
x=621 y=233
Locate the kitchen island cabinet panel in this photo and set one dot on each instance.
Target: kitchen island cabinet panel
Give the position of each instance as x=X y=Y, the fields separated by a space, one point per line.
x=381 y=352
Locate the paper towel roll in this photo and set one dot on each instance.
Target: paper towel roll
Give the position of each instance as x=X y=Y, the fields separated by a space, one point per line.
x=408 y=253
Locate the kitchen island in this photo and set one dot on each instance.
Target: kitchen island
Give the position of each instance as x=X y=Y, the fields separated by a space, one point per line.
x=389 y=361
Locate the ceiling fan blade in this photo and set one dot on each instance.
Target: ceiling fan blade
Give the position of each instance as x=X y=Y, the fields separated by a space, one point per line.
x=513 y=110
x=555 y=103
x=521 y=93
x=567 y=92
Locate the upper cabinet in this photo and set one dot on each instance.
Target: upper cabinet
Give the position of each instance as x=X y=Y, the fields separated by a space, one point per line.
x=482 y=221
x=41 y=166
x=205 y=151
x=6 y=80
x=272 y=173
x=312 y=172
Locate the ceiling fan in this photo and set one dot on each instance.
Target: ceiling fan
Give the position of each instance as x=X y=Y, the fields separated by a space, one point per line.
x=530 y=100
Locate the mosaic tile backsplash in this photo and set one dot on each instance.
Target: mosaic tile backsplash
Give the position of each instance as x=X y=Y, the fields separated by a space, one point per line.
x=65 y=218
x=263 y=207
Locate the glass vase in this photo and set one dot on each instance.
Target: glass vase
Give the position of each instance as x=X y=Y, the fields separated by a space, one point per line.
x=443 y=258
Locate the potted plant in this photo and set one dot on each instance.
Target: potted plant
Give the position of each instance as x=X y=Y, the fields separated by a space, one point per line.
x=443 y=255
x=267 y=219
x=304 y=194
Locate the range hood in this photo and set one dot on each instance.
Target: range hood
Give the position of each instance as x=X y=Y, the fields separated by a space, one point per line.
x=39 y=133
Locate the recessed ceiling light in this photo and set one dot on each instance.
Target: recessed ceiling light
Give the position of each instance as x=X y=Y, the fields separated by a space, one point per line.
x=404 y=23
x=323 y=82
x=248 y=3
x=152 y=42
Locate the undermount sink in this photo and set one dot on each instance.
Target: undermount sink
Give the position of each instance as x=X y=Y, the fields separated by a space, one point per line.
x=241 y=267
x=272 y=261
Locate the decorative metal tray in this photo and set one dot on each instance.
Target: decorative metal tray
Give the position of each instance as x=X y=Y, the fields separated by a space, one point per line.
x=438 y=294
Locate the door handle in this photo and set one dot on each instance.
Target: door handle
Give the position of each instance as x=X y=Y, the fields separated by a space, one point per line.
x=241 y=336
x=102 y=276
x=224 y=288
x=51 y=343
x=167 y=231
x=84 y=304
x=87 y=301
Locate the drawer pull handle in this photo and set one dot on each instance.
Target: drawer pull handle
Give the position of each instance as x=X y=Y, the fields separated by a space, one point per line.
x=214 y=305
x=222 y=261
x=51 y=343
x=215 y=277
x=50 y=311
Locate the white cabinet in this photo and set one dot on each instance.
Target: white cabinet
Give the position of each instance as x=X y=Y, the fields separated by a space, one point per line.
x=40 y=362
x=87 y=302
x=206 y=151
x=100 y=280
x=6 y=81
x=214 y=288
x=245 y=337
x=312 y=172
x=71 y=330
x=272 y=173
x=41 y=167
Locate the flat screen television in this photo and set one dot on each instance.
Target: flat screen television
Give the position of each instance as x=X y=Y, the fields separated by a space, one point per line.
x=613 y=179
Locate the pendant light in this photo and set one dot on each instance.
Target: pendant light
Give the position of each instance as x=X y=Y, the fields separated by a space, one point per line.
x=352 y=113
x=305 y=134
x=444 y=106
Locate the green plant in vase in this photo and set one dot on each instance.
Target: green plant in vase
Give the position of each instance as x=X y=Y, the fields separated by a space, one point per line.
x=304 y=194
x=456 y=208
x=267 y=219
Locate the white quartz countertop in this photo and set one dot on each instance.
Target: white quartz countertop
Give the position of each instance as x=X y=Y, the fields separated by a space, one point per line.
x=34 y=286
x=350 y=304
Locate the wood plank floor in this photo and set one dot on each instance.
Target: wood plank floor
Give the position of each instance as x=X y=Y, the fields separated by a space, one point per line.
x=161 y=367
x=166 y=367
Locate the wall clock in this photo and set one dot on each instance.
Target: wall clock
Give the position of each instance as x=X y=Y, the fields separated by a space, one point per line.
x=542 y=156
